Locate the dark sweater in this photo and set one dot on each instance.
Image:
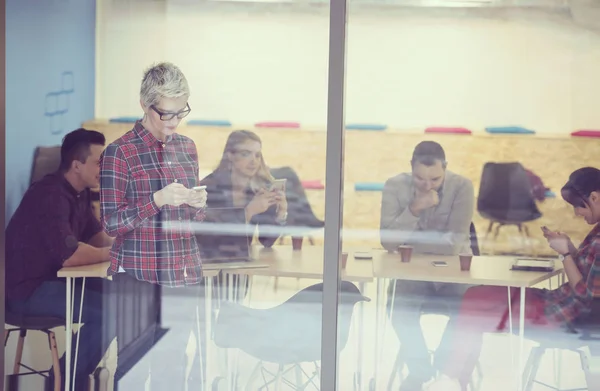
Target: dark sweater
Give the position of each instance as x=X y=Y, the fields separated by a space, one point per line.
x=220 y=195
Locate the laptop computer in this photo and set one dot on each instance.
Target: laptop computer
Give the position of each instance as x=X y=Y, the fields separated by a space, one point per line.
x=224 y=236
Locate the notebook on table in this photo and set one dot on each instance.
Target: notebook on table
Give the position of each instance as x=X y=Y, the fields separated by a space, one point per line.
x=534 y=264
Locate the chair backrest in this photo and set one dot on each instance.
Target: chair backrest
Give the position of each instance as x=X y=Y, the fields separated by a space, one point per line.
x=505 y=194
x=46 y=160
x=295 y=324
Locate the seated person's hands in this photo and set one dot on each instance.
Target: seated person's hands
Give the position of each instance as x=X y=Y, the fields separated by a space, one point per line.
x=281 y=201
x=559 y=241
x=197 y=198
x=263 y=200
x=424 y=201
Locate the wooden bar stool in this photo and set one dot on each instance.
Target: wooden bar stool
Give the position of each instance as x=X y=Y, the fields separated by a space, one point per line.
x=22 y=325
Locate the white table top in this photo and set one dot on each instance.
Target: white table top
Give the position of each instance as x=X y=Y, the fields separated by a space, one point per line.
x=485 y=270
x=100 y=270
x=283 y=261
x=96 y=270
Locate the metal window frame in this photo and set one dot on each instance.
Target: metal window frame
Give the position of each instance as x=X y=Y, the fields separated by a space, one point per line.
x=334 y=188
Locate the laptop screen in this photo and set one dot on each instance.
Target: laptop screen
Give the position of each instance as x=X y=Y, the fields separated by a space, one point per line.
x=224 y=235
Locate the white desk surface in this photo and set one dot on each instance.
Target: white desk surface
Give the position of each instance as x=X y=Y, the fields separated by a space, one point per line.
x=95 y=270
x=100 y=270
x=485 y=270
x=283 y=261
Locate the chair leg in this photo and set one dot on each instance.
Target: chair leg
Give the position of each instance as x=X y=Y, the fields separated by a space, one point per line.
x=299 y=382
x=279 y=377
x=19 y=352
x=311 y=240
x=55 y=360
x=396 y=370
x=253 y=376
x=487 y=235
x=497 y=232
x=532 y=367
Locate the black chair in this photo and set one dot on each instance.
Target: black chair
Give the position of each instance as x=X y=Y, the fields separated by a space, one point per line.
x=300 y=214
x=584 y=332
x=45 y=161
x=288 y=334
x=22 y=324
x=505 y=198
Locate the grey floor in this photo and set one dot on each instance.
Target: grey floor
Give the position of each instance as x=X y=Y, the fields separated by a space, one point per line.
x=561 y=369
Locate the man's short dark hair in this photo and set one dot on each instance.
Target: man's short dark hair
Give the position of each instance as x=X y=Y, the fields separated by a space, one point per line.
x=76 y=146
x=427 y=153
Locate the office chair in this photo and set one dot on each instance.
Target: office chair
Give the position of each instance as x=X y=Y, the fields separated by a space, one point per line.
x=288 y=334
x=45 y=161
x=434 y=308
x=505 y=198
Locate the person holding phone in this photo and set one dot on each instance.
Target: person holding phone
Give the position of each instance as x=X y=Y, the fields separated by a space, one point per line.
x=431 y=210
x=242 y=179
x=148 y=204
x=545 y=310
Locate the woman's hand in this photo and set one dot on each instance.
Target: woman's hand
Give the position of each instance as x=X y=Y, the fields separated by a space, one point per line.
x=197 y=198
x=559 y=242
x=282 y=205
x=262 y=201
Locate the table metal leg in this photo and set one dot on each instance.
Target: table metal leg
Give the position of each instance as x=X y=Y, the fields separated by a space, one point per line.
x=378 y=314
x=359 y=349
x=510 y=335
x=78 y=333
x=521 y=334
x=208 y=327
x=68 y=333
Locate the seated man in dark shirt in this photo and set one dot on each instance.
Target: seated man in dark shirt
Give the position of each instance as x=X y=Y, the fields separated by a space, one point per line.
x=54 y=226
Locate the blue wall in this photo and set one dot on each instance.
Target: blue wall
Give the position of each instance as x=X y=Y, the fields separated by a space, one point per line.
x=50 y=71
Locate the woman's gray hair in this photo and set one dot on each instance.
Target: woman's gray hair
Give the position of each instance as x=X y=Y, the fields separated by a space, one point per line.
x=163 y=80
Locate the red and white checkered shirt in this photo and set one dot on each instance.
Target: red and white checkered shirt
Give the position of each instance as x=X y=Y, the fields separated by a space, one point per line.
x=565 y=304
x=152 y=244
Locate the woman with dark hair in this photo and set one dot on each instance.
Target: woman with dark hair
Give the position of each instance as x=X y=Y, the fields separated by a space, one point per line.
x=483 y=306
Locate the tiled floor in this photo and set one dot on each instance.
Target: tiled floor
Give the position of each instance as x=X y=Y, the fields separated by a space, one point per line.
x=495 y=359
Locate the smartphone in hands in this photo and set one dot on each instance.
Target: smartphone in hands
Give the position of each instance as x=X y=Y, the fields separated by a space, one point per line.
x=198 y=188
x=278 y=185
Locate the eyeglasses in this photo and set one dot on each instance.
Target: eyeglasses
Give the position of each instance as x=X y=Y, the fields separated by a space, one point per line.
x=169 y=116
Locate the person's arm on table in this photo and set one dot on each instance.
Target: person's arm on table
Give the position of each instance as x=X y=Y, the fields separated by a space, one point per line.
x=397 y=221
x=119 y=217
x=59 y=240
x=87 y=255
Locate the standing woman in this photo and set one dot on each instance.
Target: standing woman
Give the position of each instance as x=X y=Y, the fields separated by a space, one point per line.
x=483 y=306
x=147 y=204
x=243 y=180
